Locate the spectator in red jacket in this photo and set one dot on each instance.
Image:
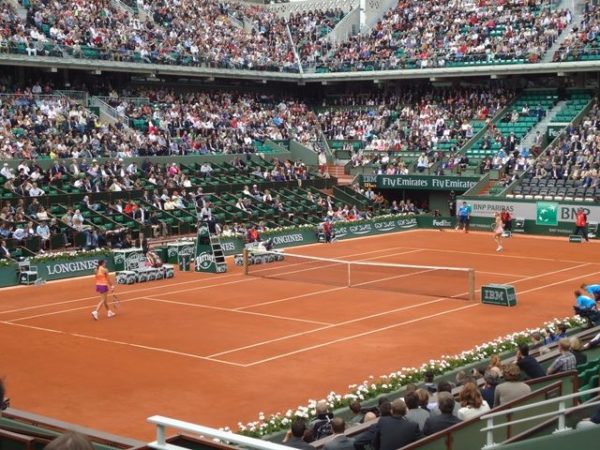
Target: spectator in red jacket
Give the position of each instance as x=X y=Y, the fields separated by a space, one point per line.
x=252 y=235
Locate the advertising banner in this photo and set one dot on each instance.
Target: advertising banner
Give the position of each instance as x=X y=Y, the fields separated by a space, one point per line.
x=543 y=213
x=72 y=267
x=426 y=183
x=345 y=230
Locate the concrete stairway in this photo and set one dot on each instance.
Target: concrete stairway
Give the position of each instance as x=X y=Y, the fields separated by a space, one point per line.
x=541 y=126
x=577 y=16
x=338 y=172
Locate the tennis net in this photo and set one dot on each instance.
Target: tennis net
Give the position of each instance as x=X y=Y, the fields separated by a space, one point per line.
x=451 y=282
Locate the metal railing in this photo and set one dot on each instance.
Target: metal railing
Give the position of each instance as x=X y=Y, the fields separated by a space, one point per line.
x=119 y=4
x=78 y=96
x=287 y=9
x=560 y=414
x=137 y=101
x=162 y=423
x=346 y=27
x=106 y=108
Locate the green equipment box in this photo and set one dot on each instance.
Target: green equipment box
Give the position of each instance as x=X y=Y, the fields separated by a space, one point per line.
x=498 y=294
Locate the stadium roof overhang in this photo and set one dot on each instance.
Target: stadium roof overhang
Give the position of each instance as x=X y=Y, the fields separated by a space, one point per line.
x=155 y=70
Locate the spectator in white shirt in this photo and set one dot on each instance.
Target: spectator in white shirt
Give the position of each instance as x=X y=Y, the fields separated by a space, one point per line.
x=20 y=233
x=35 y=191
x=43 y=231
x=77 y=221
x=7 y=172
x=115 y=186
x=205 y=170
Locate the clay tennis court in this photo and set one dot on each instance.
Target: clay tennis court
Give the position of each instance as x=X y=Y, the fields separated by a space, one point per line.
x=217 y=349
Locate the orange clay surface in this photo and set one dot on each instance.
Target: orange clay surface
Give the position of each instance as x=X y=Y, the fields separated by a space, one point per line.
x=217 y=349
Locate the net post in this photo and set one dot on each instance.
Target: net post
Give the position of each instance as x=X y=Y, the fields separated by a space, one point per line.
x=245 y=260
x=471 y=284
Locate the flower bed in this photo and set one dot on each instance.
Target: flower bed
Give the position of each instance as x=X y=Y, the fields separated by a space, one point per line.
x=387 y=384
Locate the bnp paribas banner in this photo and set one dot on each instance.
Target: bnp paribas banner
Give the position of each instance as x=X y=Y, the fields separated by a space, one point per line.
x=544 y=213
x=426 y=183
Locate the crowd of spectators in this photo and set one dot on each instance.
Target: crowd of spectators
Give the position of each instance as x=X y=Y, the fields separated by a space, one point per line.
x=164 y=187
x=413 y=121
x=582 y=39
x=33 y=126
x=417 y=34
x=433 y=407
x=34 y=123
x=221 y=122
x=245 y=36
x=575 y=155
x=183 y=32
x=37 y=123
x=309 y=30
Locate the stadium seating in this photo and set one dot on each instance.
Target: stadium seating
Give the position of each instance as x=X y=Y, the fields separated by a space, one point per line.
x=403 y=40
x=262 y=40
x=536 y=103
x=559 y=173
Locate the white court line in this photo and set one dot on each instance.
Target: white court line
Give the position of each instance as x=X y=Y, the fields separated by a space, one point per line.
x=79 y=308
x=308 y=294
x=158 y=287
x=242 y=308
x=502 y=255
x=440 y=299
x=215 y=285
x=379 y=280
x=218 y=308
x=128 y=344
x=211 y=357
x=366 y=333
x=347 y=322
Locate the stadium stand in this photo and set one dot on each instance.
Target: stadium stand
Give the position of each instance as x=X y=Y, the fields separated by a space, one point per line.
x=417 y=35
x=252 y=37
x=99 y=181
x=410 y=131
x=567 y=170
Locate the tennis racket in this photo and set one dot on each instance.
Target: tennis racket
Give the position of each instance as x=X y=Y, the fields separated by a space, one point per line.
x=116 y=300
